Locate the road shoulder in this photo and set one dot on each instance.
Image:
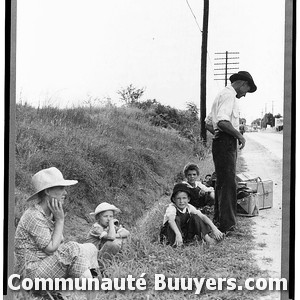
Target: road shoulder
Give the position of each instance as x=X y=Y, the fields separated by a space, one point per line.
x=267 y=226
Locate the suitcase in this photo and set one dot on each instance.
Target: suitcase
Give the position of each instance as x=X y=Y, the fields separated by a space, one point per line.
x=263 y=188
x=246 y=177
x=248 y=206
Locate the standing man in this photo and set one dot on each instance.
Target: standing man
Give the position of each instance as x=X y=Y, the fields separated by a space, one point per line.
x=225 y=119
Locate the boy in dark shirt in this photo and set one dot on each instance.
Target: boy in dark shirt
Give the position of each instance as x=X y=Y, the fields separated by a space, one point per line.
x=200 y=194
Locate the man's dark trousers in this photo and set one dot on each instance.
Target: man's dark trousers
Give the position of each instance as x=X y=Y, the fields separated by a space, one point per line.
x=224 y=149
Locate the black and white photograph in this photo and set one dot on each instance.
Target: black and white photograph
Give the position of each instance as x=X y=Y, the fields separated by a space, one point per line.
x=150 y=150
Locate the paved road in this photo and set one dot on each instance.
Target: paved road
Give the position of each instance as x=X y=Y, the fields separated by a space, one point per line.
x=263 y=156
x=271 y=141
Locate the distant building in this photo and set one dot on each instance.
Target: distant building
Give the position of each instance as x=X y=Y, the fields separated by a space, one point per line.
x=279 y=123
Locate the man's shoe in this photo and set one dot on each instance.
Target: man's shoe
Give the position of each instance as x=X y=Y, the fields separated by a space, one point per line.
x=228 y=231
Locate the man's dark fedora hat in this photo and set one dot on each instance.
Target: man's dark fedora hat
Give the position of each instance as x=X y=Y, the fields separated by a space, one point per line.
x=180 y=187
x=244 y=75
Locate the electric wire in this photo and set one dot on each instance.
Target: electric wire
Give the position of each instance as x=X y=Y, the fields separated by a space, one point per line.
x=193 y=15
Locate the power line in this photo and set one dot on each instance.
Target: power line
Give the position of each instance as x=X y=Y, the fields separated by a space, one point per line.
x=193 y=15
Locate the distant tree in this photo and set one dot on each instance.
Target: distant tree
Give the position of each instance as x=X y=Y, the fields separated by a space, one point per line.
x=278 y=116
x=268 y=119
x=256 y=122
x=131 y=95
x=242 y=121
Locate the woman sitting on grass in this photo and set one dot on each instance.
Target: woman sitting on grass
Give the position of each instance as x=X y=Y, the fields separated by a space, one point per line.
x=106 y=234
x=182 y=221
x=200 y=194
x=40 y=250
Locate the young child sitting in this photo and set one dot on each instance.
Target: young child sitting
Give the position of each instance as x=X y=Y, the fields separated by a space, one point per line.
x=201 y=195
x=106 y=234
x=182 y=221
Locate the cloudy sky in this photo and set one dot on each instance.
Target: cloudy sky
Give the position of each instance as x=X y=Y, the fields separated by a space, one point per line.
x=68 y=50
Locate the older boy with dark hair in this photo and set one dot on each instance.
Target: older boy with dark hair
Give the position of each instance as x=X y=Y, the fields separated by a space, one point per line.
x=200 y=194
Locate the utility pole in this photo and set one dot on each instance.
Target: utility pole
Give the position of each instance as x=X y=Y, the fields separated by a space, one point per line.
x=226 y=63
x=203 y=70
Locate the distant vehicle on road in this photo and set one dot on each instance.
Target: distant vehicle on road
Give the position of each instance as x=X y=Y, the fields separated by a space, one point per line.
x=251 y=128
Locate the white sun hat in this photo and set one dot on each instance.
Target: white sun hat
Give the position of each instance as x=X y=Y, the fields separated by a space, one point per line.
x=48 y=178
x=103 y=207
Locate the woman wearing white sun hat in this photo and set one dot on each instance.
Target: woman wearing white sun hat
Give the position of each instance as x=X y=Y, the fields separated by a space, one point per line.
x=40 y=250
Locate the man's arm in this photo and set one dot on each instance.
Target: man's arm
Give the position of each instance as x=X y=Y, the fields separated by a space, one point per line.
x=227 y=127
x=209 y=125
x=210 y=128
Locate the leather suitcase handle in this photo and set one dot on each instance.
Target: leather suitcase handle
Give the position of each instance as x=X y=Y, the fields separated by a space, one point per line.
x=263 y=188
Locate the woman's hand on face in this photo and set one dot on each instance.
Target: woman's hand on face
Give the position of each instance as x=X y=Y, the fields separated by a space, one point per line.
x=116 y=222
x=56 y=208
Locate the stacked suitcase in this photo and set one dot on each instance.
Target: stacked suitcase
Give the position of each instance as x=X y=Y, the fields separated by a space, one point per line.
x=260 y=198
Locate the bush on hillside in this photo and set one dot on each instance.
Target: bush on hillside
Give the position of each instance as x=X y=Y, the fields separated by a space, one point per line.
x=131 y=95
x=186 y=122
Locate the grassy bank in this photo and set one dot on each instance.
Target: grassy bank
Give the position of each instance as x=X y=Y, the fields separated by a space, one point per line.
x=118 y=156
x=115 y=153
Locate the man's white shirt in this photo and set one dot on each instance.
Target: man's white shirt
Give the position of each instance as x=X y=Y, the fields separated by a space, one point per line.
x=225 y=108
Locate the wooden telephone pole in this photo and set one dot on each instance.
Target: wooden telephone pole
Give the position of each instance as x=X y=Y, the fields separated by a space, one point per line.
x=203 y=70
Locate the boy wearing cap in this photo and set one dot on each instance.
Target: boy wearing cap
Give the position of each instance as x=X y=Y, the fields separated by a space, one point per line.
x=182 y=221
x=106 y=234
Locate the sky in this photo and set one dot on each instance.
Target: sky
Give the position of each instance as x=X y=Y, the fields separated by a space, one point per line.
x=69 y=51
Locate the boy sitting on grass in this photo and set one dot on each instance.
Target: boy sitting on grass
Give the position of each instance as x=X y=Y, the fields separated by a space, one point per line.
x=200 y=194
x=106 y=234
x=182 y=221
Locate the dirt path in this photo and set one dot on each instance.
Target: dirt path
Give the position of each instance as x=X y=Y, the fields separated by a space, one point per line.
x=263 y=156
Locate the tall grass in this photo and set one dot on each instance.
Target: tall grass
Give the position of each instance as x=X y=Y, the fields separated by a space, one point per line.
x=143 y=254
